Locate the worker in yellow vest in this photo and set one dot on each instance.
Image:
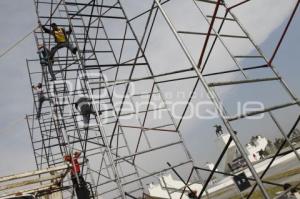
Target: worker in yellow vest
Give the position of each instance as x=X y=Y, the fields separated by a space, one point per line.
x=61 y=38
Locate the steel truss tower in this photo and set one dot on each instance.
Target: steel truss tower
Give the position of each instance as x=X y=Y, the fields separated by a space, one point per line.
x=133 y=124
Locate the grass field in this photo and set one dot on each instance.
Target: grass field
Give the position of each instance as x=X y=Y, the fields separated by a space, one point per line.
x=274 y=189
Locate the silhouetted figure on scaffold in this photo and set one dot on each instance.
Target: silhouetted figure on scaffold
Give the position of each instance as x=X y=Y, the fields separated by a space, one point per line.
x=192 y=194
x=45 y=60
x=78 y=181
x=41 y=98
x=219 y=130
x=85 y=108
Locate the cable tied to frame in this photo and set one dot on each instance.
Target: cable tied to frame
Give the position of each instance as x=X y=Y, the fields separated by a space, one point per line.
x=17 y=43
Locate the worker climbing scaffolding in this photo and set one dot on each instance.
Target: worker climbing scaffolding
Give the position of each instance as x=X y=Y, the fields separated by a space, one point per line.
x=44 y=56
x=219 y=130
x=192 y=194
x=85 y=108
x=78 y=181
x=41 y=98
x=82 y=188
x=61 y=38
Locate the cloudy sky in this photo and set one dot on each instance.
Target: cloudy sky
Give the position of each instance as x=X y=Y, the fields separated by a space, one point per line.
x=263 y=19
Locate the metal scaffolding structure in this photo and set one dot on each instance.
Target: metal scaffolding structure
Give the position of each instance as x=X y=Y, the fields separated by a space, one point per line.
x=112 y=70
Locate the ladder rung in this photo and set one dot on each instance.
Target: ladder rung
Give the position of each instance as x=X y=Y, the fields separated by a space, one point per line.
x=262 y=111
x=242 y=81
x=133 y=113
x=74 y=26
x=210 y=1
x=96 y=51
x=110 y=122
x=54 y=43
x=84 y=4
x=85 y=27
x=61 y=82
x=237 y=70
x=107 y=103
x=99 y=51
x=66 y=18
x=227 y=19
x=248 y=56
x=112 y=65
x=81 y=34
x=145 y=151
x=62 y=59
x=221 y=35
x=107 y=110
x=106 y=39
x=148 y=129
x=143 y=94
x=48 y=3
x=234 y=36
x=97 y=16
x=194 y=33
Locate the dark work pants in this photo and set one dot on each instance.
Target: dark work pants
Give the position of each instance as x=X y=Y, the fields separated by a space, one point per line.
x=41 y=101
x=86 y=112
x=81 y=189
x=74 y=180
x=46 y=60
x=50 y=69
x=59 y=46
